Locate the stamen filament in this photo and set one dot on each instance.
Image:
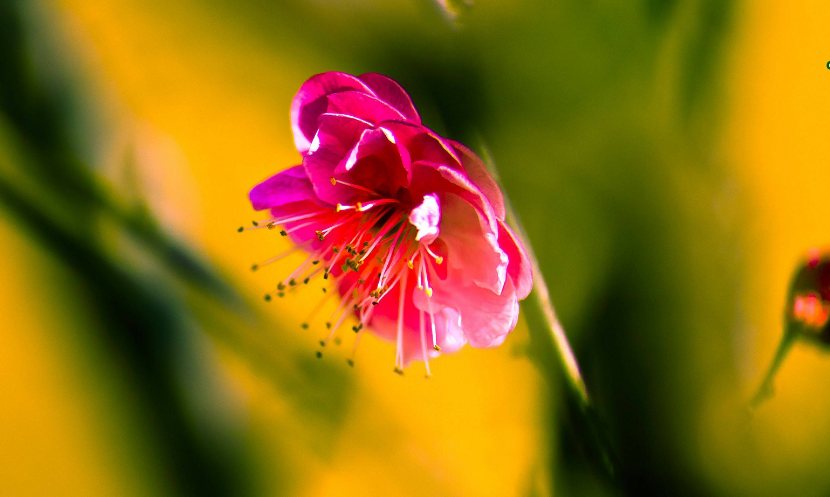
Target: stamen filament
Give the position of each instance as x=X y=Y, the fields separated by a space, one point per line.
x=350 y=360
x=316 y=309
x=278 y=257
x=389 y=256
x=432 y=324
x=299 y=270
x=399 y=358
x=438 y=259
x=334 y=328
x=375 y=203
x=424 y=343
x=293 y=218
x=338 y=224
x=335 y=181
x=346 y=298
x=379 y=237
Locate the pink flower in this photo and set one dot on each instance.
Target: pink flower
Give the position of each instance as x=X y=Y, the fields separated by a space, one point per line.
x=409 y=225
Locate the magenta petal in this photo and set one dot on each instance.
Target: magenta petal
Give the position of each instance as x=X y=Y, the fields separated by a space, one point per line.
x=371 y=142
x=478 y=175
x=423 y=144
x=519 y=269
x=285 y=187
x=486 y=317
x=335 y=138
x=311 y=101
x=376 y=162
x=432 y=177
x=362 y=105
x=391 y=92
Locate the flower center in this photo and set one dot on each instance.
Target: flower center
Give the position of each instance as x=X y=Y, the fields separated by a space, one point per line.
x=368 y=248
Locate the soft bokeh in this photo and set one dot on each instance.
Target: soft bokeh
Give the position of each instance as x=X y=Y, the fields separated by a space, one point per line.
x=668 y=159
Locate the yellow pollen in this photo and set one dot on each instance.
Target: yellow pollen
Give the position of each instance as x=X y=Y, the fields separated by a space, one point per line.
x=429 y=292
x=339 y=208
x=437 y=348
x=410 y=264
x=360 y=207
x=333 y=181
x=439 y=260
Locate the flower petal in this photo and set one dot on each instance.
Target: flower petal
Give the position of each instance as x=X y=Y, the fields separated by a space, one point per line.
x=336 y=136
x=377 y=163
x=310 y=102
x=362 y=105
x=423 y=144
x=285 y=187
x=391 y=92
x=478 y=175
x=519 y=269
x=472 y=248
x=432 y=177
x=486 y=317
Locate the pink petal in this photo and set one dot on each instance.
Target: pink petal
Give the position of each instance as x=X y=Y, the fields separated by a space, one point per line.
x=285 y=187
x=391 y=92
x=486 y=317
x=376 y=162
x=519 y=269
x=423 y=144
x=472 y=248
x=361 y=105
x=335 y=138
x=478 y=175
x=437 y=178
x=426 y=217
x=311 y=101
x=431 y=177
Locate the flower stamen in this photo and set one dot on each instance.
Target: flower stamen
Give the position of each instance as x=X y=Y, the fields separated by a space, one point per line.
x=335 y=181
x=274 y=259
x=432 y=324
x=437 y=258
x=399 y=358
x=424 y=343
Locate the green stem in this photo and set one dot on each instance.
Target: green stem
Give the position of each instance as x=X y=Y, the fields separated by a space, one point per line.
x=541 y=296
x=592 y=431
x=765 y=389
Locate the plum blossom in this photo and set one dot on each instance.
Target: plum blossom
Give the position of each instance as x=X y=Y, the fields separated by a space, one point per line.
x=409 y=226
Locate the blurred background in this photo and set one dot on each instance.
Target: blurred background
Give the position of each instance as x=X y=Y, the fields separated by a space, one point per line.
x=667 y=157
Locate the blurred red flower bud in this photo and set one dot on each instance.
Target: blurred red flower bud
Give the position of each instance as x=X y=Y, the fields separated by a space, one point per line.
x=809 y=300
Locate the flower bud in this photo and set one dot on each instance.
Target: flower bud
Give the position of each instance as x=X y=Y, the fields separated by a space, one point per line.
x=809 y=301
